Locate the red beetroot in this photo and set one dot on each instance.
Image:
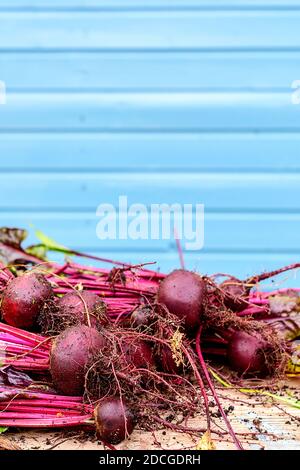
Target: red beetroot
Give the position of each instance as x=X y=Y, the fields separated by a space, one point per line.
x=83 y=307
x=71 y=352
x=250 y=354
x=24 y=298
x=183 y=293
x=140 y=317
x=114 y=420
x=138 y=353
x=236 y=294
x=166 y=360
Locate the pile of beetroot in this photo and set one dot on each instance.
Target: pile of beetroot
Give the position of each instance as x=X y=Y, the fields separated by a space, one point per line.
x=127 y=347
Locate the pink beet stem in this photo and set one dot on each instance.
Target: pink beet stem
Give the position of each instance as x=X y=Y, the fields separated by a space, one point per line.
x=22 y=333
x=268 y=275
x=214 y=351
x=27 y=364
x=34 y=393
x=16 y=350
x=253 y=311
x=33 y=413
x=40 y=422
x=213 y=391
x=42 y=404
x=258 y=301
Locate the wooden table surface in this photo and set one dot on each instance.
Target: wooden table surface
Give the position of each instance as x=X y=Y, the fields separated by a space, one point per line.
x=261 y=424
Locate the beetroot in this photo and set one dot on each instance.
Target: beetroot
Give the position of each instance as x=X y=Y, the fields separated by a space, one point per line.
x=137 y=353
x=71 y=352
x=235 y=294
x=166 y=360
x=78 y=306
x=183 y=293
x=24 y=298
x=250 y=354
x=114 y=420
x=140 y=317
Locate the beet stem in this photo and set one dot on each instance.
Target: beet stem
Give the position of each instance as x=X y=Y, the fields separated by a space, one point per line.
x=212 y=388
x=179 y=249
x=201 y=384
x=263 y=276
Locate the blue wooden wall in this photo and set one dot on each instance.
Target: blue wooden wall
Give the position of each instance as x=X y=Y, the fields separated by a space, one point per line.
x=165 y=101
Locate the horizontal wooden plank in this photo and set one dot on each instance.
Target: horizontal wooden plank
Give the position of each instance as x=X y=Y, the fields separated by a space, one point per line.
x=154 y=30
x=152 y=152
x=198 y=111
x=224 y=232
x=147 y=4
x=152 y=71
x=218 y=191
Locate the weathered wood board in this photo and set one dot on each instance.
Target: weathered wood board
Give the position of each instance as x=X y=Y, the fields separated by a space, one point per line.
x=260 y=424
